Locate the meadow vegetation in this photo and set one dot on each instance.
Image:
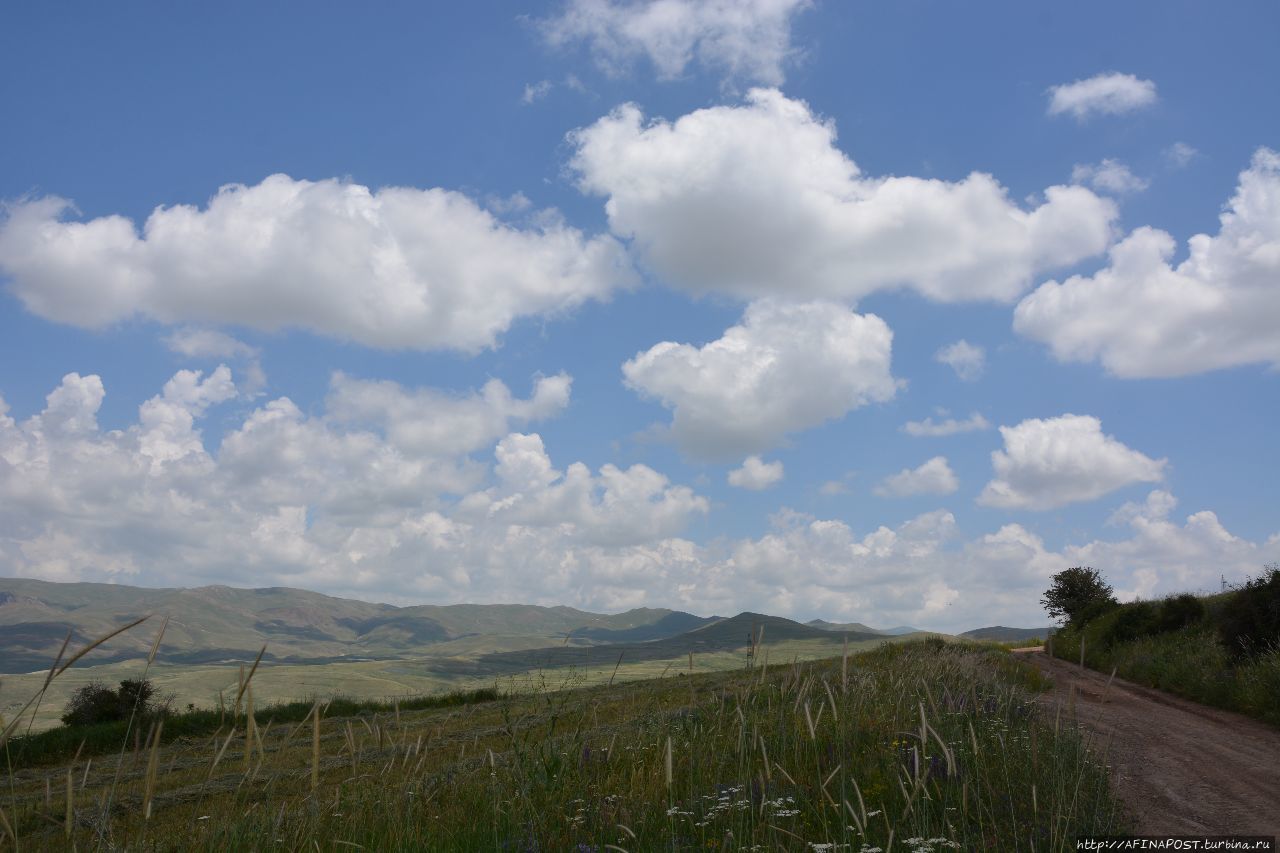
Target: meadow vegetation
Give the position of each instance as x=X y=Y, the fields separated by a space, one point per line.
x=1221 y=650
x=920 y=746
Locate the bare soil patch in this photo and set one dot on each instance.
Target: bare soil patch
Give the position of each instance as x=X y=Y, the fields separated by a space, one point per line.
x=1178 y=767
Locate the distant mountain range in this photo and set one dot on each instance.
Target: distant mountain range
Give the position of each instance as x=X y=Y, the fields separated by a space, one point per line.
x=858 y=627
x=216 y=623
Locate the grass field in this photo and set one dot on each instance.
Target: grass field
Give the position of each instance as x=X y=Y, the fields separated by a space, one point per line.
x=919 y=746
x=460 y=665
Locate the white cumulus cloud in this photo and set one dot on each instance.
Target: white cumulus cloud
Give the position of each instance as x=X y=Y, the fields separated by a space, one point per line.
x=396 y=267
x=325 y=502
x=741 y=39
x=291 y=499
x=934 y=477
x=1141 y=316
x=614 y=507
x=785 y=368
x=756 y=200
x=949 y=426
x=1052 y=462
x=755 y=474
x=1106 y=94
x=1108 y=176
x=206 y=344
x=426 y=420
x=966 y=359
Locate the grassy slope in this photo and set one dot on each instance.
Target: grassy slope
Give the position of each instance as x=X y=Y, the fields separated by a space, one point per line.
x=910 y=741
x=1190 y=662
x=463 y=666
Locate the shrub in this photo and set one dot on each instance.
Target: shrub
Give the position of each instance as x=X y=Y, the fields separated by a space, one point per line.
x=96 y=703
x=1249 y=624
x=93 y=703
x=1139 y=619
x=1179 y=611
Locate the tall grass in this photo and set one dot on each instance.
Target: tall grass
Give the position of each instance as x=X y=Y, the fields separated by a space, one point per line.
x=64 y=742
x=921 y=746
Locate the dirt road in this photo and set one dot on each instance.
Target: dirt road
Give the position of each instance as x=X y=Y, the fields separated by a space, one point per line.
x=1179 y=767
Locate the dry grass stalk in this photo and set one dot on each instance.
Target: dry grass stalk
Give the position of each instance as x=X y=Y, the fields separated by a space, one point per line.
x=668 y=762
x=244 y=680
x=1107 y=689
x=155 y=646
x=153 y=763
x=844 y=666
x=248 y=728
x=8 y=829
x=221 y=751
x=615 y=668
x=315 y=747
x=71 y=803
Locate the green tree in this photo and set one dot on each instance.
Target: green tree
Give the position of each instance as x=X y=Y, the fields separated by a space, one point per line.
x=1077 y=595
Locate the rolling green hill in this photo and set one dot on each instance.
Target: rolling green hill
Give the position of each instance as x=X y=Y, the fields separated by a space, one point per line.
x=1001 y=634
x=217 y=623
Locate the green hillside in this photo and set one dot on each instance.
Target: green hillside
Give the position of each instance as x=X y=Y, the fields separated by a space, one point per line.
x=843 y=626
x=1001 y=634
x=218 y=624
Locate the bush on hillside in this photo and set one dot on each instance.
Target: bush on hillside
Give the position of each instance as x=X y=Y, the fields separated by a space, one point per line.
x=1147 y=618
x=1250 y=620
x=1131 y=621
x=1179 y=611
x=97 y=703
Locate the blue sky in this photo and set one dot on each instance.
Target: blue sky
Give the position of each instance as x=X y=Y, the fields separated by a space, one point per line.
x=615 y=304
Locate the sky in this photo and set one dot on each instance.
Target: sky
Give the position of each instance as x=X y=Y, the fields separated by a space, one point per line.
x=877 y=312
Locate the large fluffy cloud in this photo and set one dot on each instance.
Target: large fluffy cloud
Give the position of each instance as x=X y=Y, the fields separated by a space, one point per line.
x=396 y=267
x=1111 y=93
x=785 y=368
x=757 y=200
x=616 y=507
x=1057 y=461
x=426 y=420
x=933 y=477
x=1142 y=316
x=743 y=39
x=298 y=500
x=1162 y=556
x=344 y=500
